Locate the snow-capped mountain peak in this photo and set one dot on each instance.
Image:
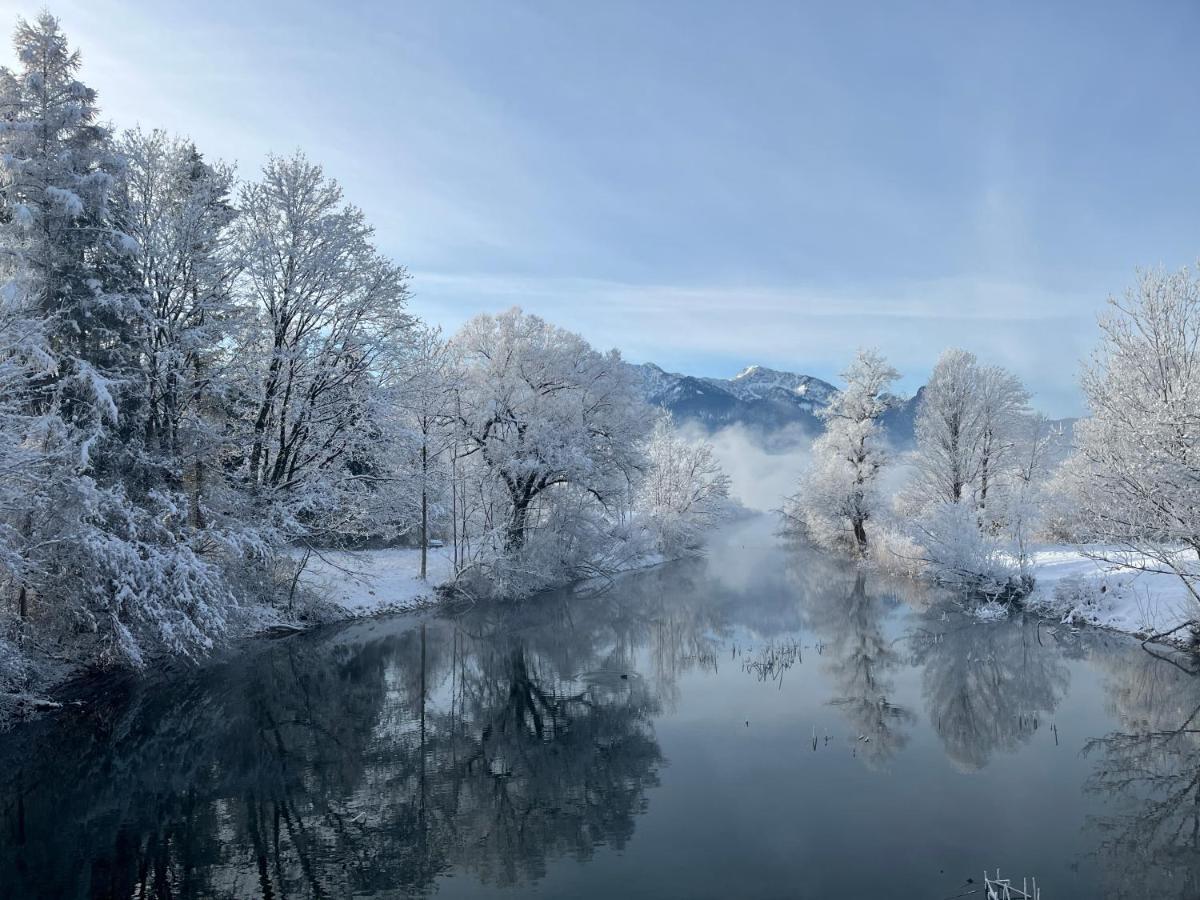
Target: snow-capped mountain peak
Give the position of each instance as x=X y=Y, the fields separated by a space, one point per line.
x=760 y=383
x=757 y=396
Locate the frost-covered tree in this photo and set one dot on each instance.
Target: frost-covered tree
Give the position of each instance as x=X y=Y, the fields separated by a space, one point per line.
x=684 y=492
x=969 y=425
x=1136 y=474
x=947 y=427
x=327 y=322
x=177 y=209
x=839 y=493
x=99 y=555
x=548 y=432
x=978 y=464
x=1004 y=428
x=424 y=398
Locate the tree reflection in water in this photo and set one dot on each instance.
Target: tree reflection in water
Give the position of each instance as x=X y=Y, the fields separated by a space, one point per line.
x=1151 y=848
x=988 y=687
x=858 y=656
x=351 y=764
x=376 y=758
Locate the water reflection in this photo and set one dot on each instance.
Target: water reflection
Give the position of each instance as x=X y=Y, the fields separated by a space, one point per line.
x=343 y=767
x=987 y=687
x=378 y=758
x=858 y=656
x=1151 y=847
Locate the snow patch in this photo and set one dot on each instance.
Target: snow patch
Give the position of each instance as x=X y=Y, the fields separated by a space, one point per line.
x=1078 y=585
x=370 y=582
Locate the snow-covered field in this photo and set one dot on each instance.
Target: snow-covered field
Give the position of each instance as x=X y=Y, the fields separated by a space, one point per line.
x=1072 y=584
x=369 y=582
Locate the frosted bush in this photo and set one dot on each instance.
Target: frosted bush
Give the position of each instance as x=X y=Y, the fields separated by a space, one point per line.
x=961 y=556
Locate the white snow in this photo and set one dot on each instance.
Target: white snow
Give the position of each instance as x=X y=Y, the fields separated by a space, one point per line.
x=1075 y=586
x=370 y=582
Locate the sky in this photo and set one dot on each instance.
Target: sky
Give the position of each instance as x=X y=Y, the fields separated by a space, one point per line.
x=709 y=185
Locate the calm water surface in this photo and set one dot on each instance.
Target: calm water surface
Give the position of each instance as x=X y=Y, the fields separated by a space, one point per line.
x=759 y=723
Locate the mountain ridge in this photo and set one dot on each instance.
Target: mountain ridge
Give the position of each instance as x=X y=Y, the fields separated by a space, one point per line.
x=773 y=403
x=760 y=398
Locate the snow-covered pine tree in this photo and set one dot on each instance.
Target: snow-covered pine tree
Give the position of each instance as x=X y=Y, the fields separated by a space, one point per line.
x=95 y=567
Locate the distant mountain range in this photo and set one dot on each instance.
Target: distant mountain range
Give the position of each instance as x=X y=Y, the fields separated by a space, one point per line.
x=762 y=399
x=776 y=405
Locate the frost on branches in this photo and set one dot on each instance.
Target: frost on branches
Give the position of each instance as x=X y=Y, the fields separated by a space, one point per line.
x=194 y=376
x=978 y=467
x=204 y=382
x=547 y=438
x=90 y=552
x=1135 y=478
x=684 y=493
x=839 y=494
x=325 y=318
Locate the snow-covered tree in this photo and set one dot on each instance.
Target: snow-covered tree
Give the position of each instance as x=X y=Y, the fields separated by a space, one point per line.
x=1004 y=432
x=548 y=432
x=327 y=322
x=978 y=466
x=424 y=398
x=97 y=551
x=839 y=493
x=1136 y=475
x=969 y=424
x=948 y=427
x=1032 y=469
x=177 y=209
x=684 y=492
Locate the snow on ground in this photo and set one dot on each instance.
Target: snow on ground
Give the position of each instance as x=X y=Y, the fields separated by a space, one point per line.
x=1071 y=584
x=369 y=582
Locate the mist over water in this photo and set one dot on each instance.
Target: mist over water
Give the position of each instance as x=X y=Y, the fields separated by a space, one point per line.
x=763 y=467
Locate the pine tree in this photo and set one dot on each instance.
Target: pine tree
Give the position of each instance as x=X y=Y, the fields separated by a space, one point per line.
x=97 y=550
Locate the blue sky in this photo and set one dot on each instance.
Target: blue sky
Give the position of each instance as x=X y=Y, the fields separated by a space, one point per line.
x=709 y=185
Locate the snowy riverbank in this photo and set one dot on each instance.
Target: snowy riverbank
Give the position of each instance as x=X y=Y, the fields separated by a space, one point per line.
x=372 y=582
x=362 y=583
x=1073 y=585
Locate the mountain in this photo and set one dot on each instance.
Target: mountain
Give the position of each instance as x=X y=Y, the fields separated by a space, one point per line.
x=757 y=397
x=762 y=399
x=773 y=404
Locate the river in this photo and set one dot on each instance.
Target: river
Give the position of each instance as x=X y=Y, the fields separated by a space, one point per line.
x=760 y=722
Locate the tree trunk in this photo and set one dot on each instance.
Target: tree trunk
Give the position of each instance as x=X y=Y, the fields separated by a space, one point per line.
x=424 y=508
x=454 y=506
x=860 y=536
x=23 y=593
x=197 y=496
x=514 y=539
